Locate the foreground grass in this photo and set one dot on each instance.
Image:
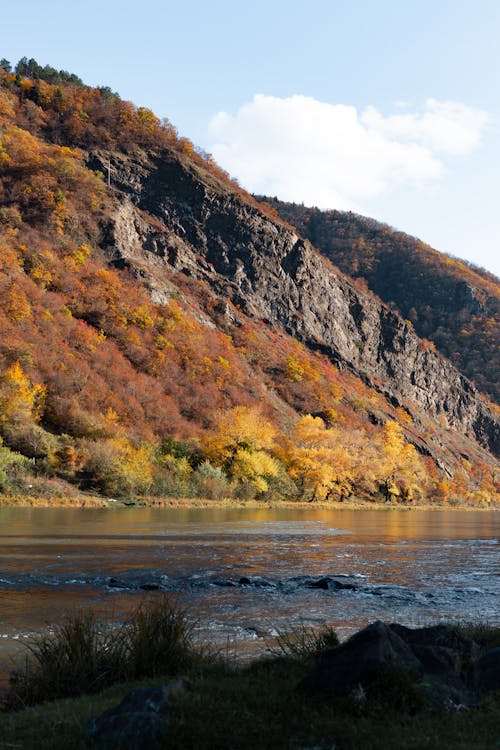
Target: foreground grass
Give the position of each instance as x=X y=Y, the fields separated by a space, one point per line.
x=259 y=707
x=250 y=707
x=82 y=655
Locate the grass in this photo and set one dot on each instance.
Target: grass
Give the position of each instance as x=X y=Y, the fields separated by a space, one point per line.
x=481 y=633
x=256 y=706
x=259 y=707
x=84 y=656
x=226 y=706
x=95 y=501
x=304 y=642
x=30 y=501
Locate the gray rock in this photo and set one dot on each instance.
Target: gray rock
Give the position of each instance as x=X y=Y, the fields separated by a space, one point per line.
x=438 y=660
x=137 y=723
x=360 y=660
x=438 y=635
x=447 y=692
x=484 y=674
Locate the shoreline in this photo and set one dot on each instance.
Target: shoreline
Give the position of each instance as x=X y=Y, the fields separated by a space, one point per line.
x=96 y=502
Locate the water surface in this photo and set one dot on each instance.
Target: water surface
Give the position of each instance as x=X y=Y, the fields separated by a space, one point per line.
x=247 y=573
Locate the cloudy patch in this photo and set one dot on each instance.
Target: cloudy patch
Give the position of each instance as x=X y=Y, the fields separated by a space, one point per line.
x=334 y=156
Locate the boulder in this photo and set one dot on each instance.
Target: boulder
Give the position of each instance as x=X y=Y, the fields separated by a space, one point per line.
x=360 y=660
x=442 y=636
x=434 y=658
x=446 y=692
x=137 y=723
x=484 y=674
x=438 y=660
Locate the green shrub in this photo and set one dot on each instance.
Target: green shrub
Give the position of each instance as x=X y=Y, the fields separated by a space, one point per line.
x=173 y=478
x=395 y=688
x=11 y=465
x=211 y=482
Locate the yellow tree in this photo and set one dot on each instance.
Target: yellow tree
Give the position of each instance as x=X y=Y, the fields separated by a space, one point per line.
x=317 y=459
x=240 y=445
x=401 y=469
x=20 y=401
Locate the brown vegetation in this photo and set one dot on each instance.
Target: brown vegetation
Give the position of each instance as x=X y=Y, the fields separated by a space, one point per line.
x=103 y=390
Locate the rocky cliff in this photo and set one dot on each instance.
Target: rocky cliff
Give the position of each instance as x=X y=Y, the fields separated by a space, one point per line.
x=450 y=302
x=172 y=215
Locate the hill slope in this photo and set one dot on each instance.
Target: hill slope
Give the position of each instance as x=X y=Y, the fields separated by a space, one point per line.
x=144 y=321
x=454 y=305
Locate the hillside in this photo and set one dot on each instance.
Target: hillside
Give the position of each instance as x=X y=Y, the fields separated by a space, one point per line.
x=453 y=304
x=165 y=334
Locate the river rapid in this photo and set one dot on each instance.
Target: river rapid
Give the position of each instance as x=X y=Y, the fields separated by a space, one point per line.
x=247 y=574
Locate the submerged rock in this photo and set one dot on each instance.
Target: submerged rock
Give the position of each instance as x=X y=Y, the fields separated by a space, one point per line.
x=257 y=582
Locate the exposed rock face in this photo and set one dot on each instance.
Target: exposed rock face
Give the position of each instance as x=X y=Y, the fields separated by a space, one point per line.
x=204 y=229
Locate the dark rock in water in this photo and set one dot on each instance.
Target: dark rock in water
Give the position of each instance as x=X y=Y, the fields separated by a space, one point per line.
x=244 y=581
x=137 y=723
x=484 y=674
x=223 y=582
x=114 y=583
x=360 y=660
x=331 y=584
x=321 y=583
x=150 y=587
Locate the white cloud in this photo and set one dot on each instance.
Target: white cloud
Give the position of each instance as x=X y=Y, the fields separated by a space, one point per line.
x=331 y=155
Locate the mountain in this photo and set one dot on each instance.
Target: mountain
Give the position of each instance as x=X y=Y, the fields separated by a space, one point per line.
x=448 y=301
x=163 y=332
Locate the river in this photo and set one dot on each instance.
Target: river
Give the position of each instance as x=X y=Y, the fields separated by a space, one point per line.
x=246 y=574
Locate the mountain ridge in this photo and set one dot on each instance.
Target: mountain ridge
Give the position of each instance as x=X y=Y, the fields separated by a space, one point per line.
x=171 y=297
x=282 y=291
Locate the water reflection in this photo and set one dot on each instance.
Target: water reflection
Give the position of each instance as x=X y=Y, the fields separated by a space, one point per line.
x=411 y=566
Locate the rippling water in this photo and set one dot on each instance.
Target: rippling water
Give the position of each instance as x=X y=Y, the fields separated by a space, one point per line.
x=246 y=573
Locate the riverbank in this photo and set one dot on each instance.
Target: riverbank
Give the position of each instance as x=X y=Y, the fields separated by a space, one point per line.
x=270 y=704
x=96 y=501
x=260 y=707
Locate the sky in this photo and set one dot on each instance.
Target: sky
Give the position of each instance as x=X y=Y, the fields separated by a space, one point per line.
x=390 y=108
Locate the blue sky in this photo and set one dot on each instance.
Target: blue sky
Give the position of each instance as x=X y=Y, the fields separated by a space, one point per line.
x=390 y=108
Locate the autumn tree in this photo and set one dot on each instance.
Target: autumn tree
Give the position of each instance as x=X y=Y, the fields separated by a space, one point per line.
x=241 y=444
x=401 y=471
x=317 y=459
x=116 y=467
x=20 y=401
